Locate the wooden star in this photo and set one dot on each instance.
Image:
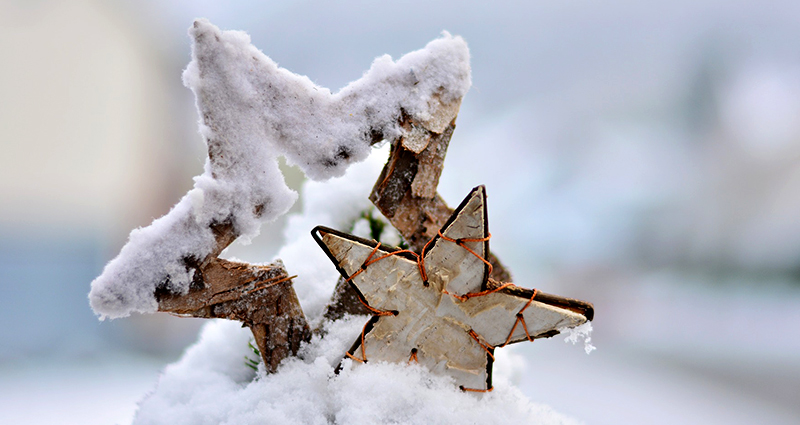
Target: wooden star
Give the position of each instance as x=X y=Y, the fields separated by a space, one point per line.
x=439 y=307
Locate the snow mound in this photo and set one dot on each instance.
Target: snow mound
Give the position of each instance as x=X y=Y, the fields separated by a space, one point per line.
x=251 y=112
x=213 y=386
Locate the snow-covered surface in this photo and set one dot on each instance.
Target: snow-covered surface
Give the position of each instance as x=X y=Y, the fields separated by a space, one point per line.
x=213 y=386
x=251 y=112
x=246 y=123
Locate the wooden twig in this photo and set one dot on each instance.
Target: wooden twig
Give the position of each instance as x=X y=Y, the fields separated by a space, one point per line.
x=406 y=189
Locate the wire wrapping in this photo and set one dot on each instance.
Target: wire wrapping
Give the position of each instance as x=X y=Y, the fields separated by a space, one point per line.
x=420 y=260
x=269 y=283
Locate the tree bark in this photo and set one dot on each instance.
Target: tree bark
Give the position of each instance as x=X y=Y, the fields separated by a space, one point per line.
x=261 y=297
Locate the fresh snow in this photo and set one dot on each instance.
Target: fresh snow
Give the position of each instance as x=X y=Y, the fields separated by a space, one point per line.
x=212 y=385
x=580 y=332
x=251 y=113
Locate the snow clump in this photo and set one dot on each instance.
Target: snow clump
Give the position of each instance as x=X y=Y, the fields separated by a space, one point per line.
x=584 y=332
x=213 y=386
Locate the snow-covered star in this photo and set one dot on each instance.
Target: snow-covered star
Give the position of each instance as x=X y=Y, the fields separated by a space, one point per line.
x=439 y=307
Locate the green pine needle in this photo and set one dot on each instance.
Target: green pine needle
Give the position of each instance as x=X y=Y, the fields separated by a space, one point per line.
x=253 y=364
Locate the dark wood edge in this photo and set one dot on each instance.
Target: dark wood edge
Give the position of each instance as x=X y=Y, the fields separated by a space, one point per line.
x=318 y=232
x=352 y=351
x=489 y=364
x=577 y=306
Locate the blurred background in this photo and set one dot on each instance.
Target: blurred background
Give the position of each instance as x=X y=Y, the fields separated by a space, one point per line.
x=644 y=157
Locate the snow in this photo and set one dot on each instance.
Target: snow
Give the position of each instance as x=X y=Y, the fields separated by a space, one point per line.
x=580 y=332
x=211 y=385
x=251 y=113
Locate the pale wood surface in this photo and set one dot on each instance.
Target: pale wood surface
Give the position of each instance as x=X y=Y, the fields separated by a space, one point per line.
x=445 y=332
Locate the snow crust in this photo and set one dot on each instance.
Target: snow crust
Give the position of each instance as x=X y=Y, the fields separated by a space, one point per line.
x=251 y=112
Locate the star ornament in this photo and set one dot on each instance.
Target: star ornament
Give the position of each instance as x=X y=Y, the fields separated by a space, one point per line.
x=439 y=307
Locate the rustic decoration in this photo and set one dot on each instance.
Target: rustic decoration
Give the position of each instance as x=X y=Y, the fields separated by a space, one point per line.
x=439 y=306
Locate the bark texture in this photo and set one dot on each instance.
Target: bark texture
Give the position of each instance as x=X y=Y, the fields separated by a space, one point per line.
x=261 y=297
